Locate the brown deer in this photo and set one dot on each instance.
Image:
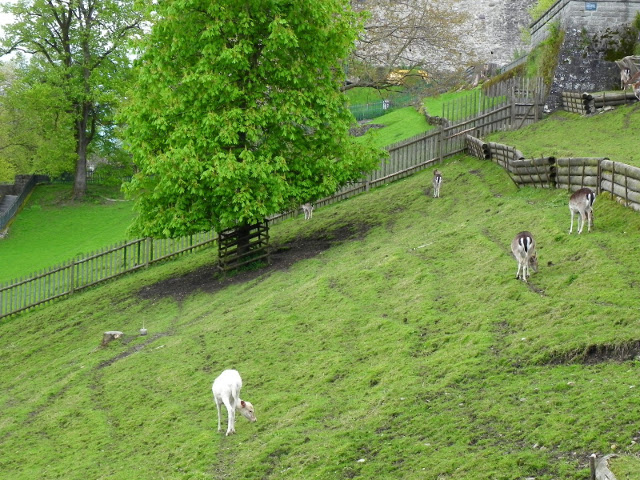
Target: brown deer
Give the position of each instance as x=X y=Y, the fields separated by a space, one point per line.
x=523 y=247
x=581 y=202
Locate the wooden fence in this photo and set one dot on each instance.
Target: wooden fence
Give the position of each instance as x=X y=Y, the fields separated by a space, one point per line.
x=94 y=268
x=620 y=180
x=521 y=104
x=586 y=103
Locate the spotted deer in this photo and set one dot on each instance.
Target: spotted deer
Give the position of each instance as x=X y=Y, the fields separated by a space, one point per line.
x=581 y=202
x=437 y=181
x=523 y=247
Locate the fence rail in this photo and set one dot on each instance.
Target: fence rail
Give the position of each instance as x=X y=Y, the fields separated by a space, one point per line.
x=405 y=158
x=620 y=180
x=6 y=216
x=586 y=103
x=98 y=267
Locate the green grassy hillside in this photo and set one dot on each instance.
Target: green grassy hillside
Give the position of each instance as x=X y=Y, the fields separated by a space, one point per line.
x=612 y=134
x=51 y=229
x=388 y=340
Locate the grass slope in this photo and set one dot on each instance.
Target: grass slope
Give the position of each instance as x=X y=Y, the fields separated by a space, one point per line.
x=398 y=125
x=51 y=229
x=408 y=351
x=612 y=134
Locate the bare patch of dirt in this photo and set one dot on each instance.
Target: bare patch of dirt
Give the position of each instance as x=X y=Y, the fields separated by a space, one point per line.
x=594 y=354
x=281 y=257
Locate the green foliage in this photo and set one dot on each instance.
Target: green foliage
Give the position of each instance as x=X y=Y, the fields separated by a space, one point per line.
x=539 y=8
x=51 y=229
x=543 y=59
x=237 y=113
x=409 y=346
x=599 y=136
x=36 y=130
x=80 y=50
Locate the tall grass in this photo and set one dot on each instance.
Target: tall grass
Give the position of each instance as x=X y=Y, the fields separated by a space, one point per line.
x=407 y=351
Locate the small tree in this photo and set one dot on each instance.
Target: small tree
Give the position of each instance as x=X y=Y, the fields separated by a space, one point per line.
x=237 y=113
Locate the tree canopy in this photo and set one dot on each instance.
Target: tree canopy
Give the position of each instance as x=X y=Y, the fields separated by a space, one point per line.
x=35 y=129
x=237 y=113
x=417 y=38
x=79 y=49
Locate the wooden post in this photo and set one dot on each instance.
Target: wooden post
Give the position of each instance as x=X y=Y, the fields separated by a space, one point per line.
x=626 y=192
x=72 y=279
x=613 y=178
x=440 y=143
x=592 y=466
x=147 y=251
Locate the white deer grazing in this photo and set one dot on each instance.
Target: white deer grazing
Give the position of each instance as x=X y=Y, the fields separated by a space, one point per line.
x=581 y=202
x=226 y=390
x=307 y=208
x=523 y=247
x=437 y=182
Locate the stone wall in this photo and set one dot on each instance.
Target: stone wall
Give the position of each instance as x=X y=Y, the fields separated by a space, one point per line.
x=594 y=17
x=495 y=28
x=592 y=31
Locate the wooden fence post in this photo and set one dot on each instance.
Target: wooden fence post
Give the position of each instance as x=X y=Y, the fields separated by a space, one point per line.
x=440 y=143
x=72 y=276
x=613 y=178
x=148 y=251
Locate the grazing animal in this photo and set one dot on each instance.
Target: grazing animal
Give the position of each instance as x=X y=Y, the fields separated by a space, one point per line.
x=523 y=247
x=625 y=76
x=634 y=81
x=307 y=208
x=226 y=390
x=636 y=89
x=437 y=181
x=581 y=202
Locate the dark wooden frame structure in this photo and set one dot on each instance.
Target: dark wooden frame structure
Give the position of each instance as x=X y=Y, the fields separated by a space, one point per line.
x=242 y=245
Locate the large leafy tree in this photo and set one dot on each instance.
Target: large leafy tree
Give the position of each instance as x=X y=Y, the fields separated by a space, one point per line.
x=80 y=48
x=237 y=113
x=35 y=128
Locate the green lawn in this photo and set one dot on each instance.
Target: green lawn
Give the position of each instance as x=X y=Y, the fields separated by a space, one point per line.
x=51 y=229
x=398 y=125
x=611 y=134
x=405 y=351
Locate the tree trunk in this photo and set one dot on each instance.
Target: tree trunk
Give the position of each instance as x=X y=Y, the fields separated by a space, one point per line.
x=82 y=143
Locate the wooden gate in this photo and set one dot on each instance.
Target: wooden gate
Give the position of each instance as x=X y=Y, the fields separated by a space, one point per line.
x=243 y=245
